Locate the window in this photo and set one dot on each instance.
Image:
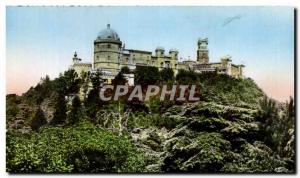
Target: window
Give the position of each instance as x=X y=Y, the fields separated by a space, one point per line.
x=108 y=46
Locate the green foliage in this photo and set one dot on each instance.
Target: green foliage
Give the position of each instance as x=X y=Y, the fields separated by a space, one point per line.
x=148 y=75
x=67 y=83
x=125 y=70
x=96 y=80
x=60 y=114
x=205 y=153
x=255 y=158
x=228 y=131
x=166 y=75
x=12 y=109
x=187 y=77
x=92 y=103
x=81 y=148
x=74 y=113
x=143 y=120
x=226 y=90
x=85 y=82
x=44 y=89
x=119 y=79
x=277 y=126
x=38 y=119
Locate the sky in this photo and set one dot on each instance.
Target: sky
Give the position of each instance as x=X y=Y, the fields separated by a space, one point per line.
x=41 y=41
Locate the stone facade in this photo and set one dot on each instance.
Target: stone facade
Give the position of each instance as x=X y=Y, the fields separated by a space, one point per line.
x=110 y=55
x=80 y=67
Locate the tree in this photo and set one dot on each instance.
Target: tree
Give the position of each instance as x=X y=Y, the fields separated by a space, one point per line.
x=287 y=147
x=186 y=77
x=38 y=120
x=278 y=126
x=146 y=75
x=119 y=79
x=36 y=95
x=268 y=115
x=68 y=83
x=166 y=75
x=74 y=114
x=85 y=81
x=59 y=116
x=96 y=80
x=125 y=70
x=93 y=102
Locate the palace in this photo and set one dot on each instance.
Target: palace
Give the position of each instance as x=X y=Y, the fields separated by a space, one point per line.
x=110 y=55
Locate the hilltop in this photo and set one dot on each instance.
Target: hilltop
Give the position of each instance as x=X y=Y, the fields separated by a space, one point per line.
x=234 y=128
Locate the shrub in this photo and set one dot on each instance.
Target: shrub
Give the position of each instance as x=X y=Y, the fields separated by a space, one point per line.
x=80 y=148
x=146 y=75
x=166 y=75
x=38 y=119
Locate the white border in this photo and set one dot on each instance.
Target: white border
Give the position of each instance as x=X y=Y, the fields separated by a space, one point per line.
x=4 y=3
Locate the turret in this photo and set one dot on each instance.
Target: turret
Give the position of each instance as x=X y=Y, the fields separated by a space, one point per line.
x=226 y=64
x=76 y=60
x=202 y=52
x=240 y=67
x=107 y=49
x=160 y=52
x=173 y=53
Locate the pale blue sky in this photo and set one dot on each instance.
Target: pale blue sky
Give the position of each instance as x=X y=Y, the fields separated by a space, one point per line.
x=41 y=40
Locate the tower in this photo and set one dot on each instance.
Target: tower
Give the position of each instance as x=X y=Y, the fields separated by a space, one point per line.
x=173 y=53
x=107 y=49
x=202 y=52
x=226 y=64
x=160 y=52
x=76 y=60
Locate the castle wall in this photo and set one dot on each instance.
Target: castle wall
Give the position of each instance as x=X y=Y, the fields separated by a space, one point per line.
x=110 y=56
x=141 y=57
x=237 y=71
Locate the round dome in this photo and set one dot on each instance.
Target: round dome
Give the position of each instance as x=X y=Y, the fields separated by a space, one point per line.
x=108 y=33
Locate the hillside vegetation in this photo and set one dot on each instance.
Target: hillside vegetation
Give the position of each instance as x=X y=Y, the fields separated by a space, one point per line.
x=234 y=128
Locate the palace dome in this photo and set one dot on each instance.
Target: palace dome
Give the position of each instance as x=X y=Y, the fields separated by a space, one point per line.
x=108 y=33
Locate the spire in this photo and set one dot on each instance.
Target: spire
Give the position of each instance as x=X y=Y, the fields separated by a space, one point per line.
x=108 y=26
x=75 y=54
